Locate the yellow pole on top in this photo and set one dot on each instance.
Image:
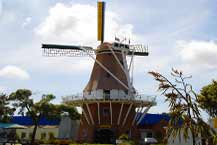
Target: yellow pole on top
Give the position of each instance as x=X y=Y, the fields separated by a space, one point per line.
x=101 y=19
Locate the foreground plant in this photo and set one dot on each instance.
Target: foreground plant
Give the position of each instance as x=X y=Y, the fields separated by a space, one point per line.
x=184 y=112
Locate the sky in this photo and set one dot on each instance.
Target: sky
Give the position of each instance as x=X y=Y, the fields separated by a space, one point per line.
x=179 y=34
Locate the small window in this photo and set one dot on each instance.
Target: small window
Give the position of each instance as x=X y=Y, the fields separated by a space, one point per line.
x=23 y=135
x=126 y=92
x=30 y=135
x=43 y=136
x=106 y=112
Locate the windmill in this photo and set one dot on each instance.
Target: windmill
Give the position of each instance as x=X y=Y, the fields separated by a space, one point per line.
x=109 y=100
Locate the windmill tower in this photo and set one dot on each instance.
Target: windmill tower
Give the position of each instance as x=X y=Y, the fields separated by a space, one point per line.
x=110 y=104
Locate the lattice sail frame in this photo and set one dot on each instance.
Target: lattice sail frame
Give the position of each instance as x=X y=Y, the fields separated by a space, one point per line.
x=53 y=50
x=56 y=52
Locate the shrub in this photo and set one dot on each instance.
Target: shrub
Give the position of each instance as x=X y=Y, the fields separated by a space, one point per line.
x=124 y=137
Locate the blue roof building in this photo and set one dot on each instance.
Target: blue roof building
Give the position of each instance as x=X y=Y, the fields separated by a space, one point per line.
x=152 y=119
x=27 y=121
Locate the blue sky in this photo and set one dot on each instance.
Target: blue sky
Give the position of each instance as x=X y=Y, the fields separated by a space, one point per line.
x=180 y=34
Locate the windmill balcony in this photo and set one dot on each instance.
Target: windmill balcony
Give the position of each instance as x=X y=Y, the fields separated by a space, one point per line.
x=97 y=96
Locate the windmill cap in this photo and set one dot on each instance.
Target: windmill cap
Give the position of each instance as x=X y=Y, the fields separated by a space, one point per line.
x=104 y=45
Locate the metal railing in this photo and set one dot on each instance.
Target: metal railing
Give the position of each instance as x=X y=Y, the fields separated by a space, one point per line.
x=136 y=97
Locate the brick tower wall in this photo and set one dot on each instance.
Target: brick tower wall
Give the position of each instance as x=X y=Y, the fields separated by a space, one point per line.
x=86 y=132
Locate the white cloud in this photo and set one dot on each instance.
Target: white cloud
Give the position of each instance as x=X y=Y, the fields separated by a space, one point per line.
x=199 y=54
x=77 y=23
x=13 y=72
x=70 y=24
x=27 y=21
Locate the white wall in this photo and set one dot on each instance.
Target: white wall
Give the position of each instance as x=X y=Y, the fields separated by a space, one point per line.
x=40 y=130
x=182 y=141
x=68 y=128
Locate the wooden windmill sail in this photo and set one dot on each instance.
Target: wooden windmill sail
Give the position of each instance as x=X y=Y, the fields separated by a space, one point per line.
x=109 y=87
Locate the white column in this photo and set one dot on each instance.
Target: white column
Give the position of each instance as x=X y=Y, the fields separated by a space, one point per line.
x=126 y=116
x=127 y=72
x=85 y=115
x=98 y=112
x=135 y=117
x=119 y=117
x=144 y=113
x=91 y=117
x=111 y=111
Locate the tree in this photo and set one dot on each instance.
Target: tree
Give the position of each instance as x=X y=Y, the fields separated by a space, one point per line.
x=42 y=108
x=185 y=115
x=5 y=110
x=70 y=110
x=36 y=110
x=208 y=98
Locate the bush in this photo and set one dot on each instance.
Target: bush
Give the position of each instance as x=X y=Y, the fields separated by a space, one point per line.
x=124 y=137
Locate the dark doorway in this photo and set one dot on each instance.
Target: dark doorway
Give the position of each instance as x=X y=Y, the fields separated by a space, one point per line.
x=106 y=94
x=104 y=136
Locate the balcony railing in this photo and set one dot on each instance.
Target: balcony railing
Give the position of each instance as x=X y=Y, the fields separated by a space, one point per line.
x=136 y=97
